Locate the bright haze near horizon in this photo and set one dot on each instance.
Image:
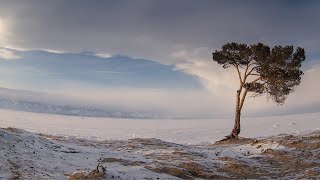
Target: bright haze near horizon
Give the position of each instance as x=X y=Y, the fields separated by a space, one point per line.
x=147 y=58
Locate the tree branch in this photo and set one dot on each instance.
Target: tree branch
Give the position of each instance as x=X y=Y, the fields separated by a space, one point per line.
x=245 y=74
x=249 y=73
x=259 y=78
x=239 y=74
x=253 y=74
x=253 y=63
x=243 y=98
x=245 y=94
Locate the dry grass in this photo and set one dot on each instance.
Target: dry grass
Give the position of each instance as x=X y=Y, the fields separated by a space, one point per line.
x=14 y=130
x=98 y=173
x=199 y=171
x=121 y=161
x=173 y=171
x=238 y=141
x=241 y=170
x=300 y=160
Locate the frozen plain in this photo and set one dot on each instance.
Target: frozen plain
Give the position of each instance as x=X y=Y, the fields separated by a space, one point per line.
x=157 y=149
x=189 y=131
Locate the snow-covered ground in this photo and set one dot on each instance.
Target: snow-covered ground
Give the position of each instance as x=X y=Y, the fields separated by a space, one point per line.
x=25 y=155
x=190 y=131
x=156 y=149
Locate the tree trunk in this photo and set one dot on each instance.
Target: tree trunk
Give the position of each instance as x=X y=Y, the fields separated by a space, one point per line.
x=236 y=128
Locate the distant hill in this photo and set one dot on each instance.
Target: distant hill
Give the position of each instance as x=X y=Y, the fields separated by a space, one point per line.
x=53 y=104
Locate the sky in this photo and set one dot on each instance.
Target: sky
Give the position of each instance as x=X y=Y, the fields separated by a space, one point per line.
x=153 y=55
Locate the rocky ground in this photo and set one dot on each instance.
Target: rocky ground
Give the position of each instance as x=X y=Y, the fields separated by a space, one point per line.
x=26 y=155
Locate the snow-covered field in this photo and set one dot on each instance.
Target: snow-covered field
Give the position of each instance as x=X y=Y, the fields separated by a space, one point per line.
x=156 y=149
x=194 y=131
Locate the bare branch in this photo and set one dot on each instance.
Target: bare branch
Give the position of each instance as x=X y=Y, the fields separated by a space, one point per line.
x=253 y=74
x=239 y=74
x=259 y=78
x=245 y=94
x=250 y=72
x=252 y=63
x=245 y=74
x=243 y=98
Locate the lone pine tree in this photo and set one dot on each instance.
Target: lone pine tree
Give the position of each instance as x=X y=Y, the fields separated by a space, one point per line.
x=261 y=70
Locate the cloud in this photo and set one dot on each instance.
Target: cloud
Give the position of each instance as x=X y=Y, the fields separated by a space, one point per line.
x=51 y=51
x=223 y=83
x=198 y=62
x=152 y=29
x=8 y=54
x=43 y=69
x=103 y=55
x=5 y=33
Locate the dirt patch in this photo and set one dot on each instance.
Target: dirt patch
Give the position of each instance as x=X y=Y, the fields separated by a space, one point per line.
x=298 y=161
x=173 y=171
x=307 y=142
x=275 y=152
x=122 y=161
x=84 y=175
x=98 y=173
x=239 y=170
x=238 y=141
x=152 y=143
x=301 y=144
x=199 y=171
x=11 y=129
x=183 y=153
x=311 y=173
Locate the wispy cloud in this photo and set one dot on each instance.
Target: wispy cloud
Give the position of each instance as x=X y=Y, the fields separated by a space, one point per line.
x=46 y=69
x=104 y=55
x=8 y=54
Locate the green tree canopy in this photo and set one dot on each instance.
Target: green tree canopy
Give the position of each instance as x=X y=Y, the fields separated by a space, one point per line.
x=277 y=69
x=261 y=70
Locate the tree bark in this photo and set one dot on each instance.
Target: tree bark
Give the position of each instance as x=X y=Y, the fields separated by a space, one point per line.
x=236 y=128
